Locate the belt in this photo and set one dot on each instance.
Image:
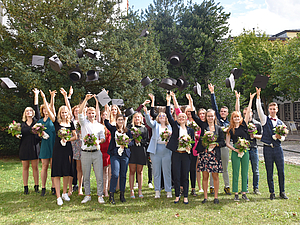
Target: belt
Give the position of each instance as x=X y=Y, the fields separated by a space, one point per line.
x=94 y=150
x=181 y=151
x=269 y=145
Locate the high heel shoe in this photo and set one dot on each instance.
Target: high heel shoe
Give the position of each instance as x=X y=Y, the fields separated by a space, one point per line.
x=132 y=194
x=141 y=195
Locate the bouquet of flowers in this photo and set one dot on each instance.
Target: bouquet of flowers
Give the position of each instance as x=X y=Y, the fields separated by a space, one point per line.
x=136 y=135
x=281 y=130
x=209 y=138
x=90 y=140
x=252 y=128
x=78 y=126
x=185 y=142
x=14 y=129
x=122 y=139
x=194 y=126
x=64 y=134
x=38 y=129
x=242 y=145
x=165 y=135
x=224 y=129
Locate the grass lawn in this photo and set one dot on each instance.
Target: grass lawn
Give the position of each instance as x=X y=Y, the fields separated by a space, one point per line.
x=17 y=208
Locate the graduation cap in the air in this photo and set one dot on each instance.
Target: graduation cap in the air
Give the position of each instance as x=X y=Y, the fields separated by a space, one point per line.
x=103 y=98
x=92 y=75
x=261 y=81
x=7 y=83
x=167 y=83
x=75 y=74
x=79 y=53
x=146 y=81
x=237 y=73
x=230 y=82
x=118 y=102
x=197 y=89
x=181 y=83
x=38 y=60
x=55 y=63
x=175 y=58
x=144 y=33
x=91 y=53
x=129 y=112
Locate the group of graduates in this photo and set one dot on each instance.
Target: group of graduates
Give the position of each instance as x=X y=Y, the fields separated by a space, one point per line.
x=168 y=142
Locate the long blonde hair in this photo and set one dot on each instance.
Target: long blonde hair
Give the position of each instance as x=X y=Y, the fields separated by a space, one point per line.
x=137 y=114
x=59 y=119
x=162 y=113
x=24 y=113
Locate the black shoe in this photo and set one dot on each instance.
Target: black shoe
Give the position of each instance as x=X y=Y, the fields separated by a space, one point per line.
x=112 y=198
x=193 y=192
x=53 y=191
x=216 y=201
x=227 y=190
x=212 y=190
x=122 y=198
x=244 y=196
x=236 y=198
x=36 y=188
x=272 y=196
x=204 y=201
x=43 y=192
x=75 y=187
x=283 y=195
x=26 y=190
x=247 y=192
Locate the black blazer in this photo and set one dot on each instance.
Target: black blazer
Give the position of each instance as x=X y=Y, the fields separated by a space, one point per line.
x=112 y=149
x=173 y=142
x=204 y=127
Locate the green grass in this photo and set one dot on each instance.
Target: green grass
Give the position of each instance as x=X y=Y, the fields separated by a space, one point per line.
x=17 y=208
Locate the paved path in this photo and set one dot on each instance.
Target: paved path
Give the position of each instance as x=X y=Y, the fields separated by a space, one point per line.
x=291 y=149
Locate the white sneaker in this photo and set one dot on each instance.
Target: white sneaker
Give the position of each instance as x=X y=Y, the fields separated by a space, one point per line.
x=157 y=194
x=201 y=190
x=60 y=201
x=101 y=200
x=136 y=186
x=65 y=197
x=86 y=199
x=169 y=194
x=150 y=185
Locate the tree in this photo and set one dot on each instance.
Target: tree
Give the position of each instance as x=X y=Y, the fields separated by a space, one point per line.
x=286 y=69
x=45 y=28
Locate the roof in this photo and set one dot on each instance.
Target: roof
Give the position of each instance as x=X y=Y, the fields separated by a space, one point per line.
x=285 y=31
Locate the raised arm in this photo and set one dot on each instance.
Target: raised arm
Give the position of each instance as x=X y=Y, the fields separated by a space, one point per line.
x=195 y=117
x=142 y=105
x=213 y=100
x=261 y=114
x=98 y=118
x=50 y=114
x=52 y=97
x=237 y=101
x=83 y=104
x=36 y=103
x=64 y=93
x=152 y=113
x=177 y=108
x=249 y=107
x=168 y=111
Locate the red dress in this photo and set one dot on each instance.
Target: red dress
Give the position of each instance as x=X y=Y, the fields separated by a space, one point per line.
x=104 y=148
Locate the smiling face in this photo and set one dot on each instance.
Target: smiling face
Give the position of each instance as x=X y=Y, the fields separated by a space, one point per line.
x=224 y=112
x=162 y=118
x=28 y=113
x=91 y=114
x=273 y=109
x=114 y=110
x=236 y=118
x=76 y=112
x=210 y=117
x=137 y=119
x=104 y=115
x=182 y=118
x=120 y=121
x=201 y=115
x=64 y=113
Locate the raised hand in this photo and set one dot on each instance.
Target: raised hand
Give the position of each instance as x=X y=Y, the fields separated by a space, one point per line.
x=36 y=91
x=70 y=92
x=52 y=93
x=42 y=94
x=211 y=88
x=258 y=90
x=252 y=95
x=63 y=92
x=146 y=102
x=168 y=97
x=151 y=96
x=172 y=94
x=145 y=109
x=237 y=94
x=89 y=96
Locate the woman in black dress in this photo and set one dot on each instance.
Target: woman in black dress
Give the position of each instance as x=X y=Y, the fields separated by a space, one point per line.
x=62 y=157
x=210 y=156
x=29 y=145
x=138 y=157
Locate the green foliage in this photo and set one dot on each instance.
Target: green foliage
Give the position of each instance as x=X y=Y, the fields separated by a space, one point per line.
x=286 y=69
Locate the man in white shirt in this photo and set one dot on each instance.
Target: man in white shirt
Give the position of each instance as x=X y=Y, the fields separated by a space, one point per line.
x=272 y=145
x=91 y=155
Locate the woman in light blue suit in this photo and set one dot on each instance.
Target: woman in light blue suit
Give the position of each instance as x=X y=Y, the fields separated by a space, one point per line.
x=160 y=156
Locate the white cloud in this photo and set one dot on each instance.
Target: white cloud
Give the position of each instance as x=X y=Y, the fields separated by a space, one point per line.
x=272 y=19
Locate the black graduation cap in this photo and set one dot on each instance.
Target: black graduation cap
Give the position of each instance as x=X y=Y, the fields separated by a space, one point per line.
x=75 y=74
x=144 y=33
x=118 y=102
x=129 y=112
x=175 y=58
x=55 y=63
x=7 y=83
x=261 y=81
x=38 y=60
x=79 y=53
x=91 y=53
x=181 y=83
x=92 y=75
x=167 y=83
x=230 y=82
x=146 y=81
x=103 y=98
x=237 y=73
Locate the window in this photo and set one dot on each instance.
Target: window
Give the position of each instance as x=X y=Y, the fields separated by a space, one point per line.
x=287 y=111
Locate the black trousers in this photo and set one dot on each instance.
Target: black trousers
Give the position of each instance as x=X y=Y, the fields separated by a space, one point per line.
x=193 y=170
x=181 y=167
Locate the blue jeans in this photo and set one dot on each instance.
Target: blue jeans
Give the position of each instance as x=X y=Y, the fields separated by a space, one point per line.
x=253 y=155
x=162 y=160
x=119 y=165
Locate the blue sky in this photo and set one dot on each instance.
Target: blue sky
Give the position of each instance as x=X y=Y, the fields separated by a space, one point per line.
x=271 y=16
